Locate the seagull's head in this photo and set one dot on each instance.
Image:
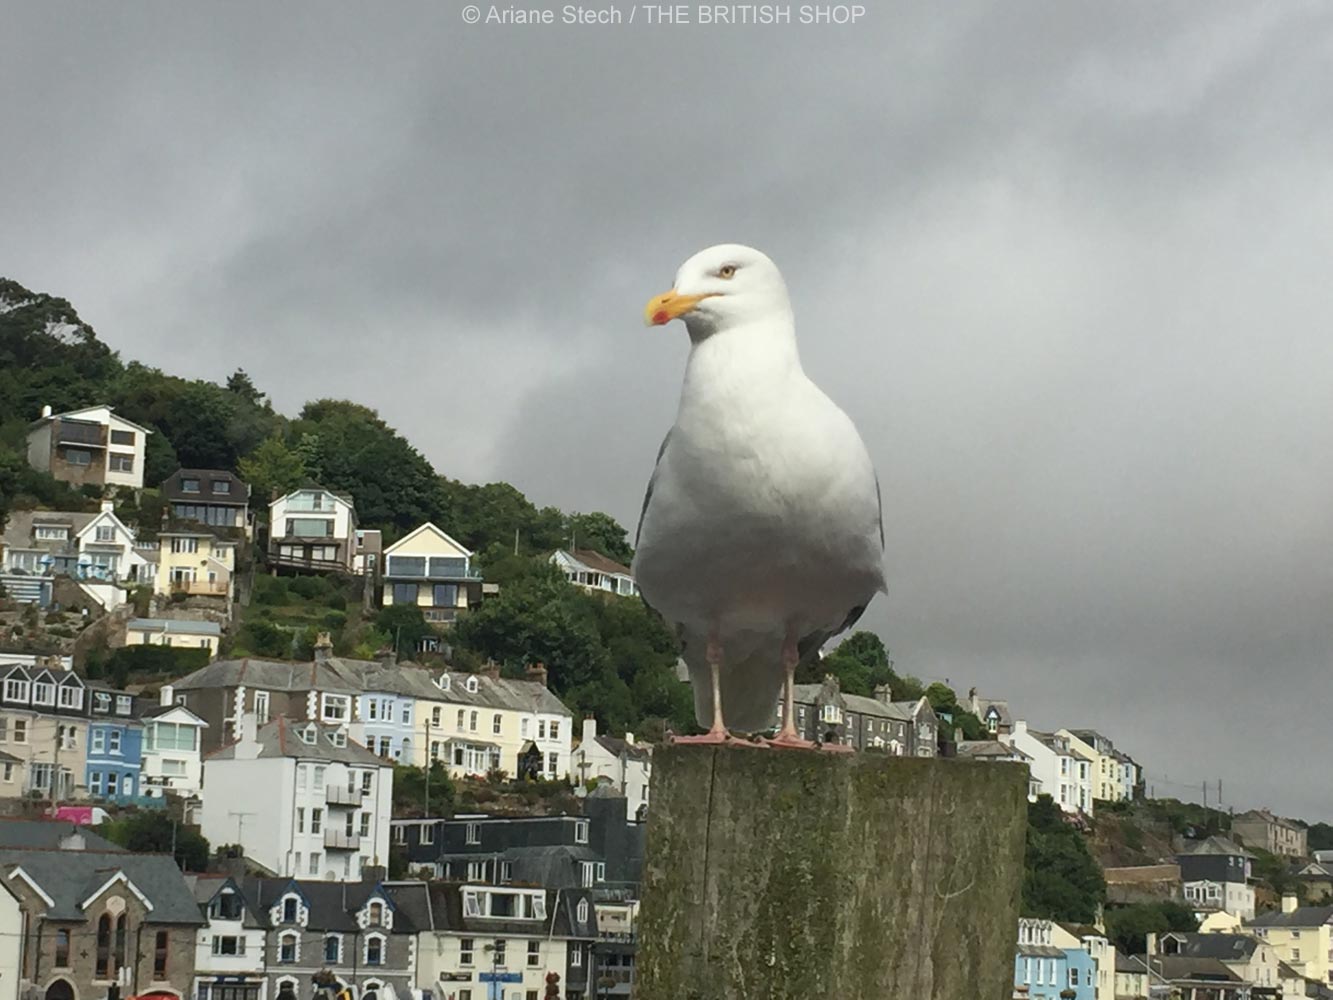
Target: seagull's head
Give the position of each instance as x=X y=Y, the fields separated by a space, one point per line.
x=724 y=286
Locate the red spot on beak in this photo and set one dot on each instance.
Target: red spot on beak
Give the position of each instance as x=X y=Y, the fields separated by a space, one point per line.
x=661 y=317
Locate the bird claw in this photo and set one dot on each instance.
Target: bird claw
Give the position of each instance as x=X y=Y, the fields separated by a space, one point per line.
x=781 y=742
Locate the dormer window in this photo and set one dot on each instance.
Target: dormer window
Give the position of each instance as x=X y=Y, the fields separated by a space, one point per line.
x=308 y=735
x=289 y=909
x=338 y=738
x=583 y=911
x=43 y=692
x=375 y=914
x=471 y=685
x=443 y=682
x=123 y=704
x=221 y=487
x=189 y=485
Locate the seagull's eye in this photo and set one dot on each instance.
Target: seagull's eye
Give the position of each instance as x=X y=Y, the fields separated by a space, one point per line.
x=726 y=271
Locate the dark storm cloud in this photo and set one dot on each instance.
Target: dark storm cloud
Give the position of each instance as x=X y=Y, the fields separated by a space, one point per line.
x=1065 y=264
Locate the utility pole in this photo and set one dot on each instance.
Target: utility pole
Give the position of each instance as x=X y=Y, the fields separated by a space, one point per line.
x=428 y=764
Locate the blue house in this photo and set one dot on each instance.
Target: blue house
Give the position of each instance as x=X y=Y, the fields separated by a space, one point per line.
x=389 y=711
x=1048 y=971
x=115 y=745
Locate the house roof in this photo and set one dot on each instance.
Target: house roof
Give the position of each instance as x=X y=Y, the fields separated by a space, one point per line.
x=1187 y=968
x=405 y=541
x=1216 y=846
x=282 y=738
x=19 y=527
x=69 y=877
x=238 y=496
x=446 y=903
x=984 y=705
x=334 y=675
x=500 y=692
x=1302 y=916
x=1224 y=947
x=596 y=561
x=989 y=748
x=1265 y=816
x=1141 y=874
x=77 y=415
x=179 y=626
x=615 y=746
x=28 y=833
x=901 y=711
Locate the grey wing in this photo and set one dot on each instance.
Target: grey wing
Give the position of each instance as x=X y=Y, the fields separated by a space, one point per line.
x=648 y=494
x=809 y=645
x=879 y=500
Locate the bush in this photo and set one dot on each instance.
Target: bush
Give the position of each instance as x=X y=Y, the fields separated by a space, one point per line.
x=334 y=620
x=311 y=588
x=265 y=639
x=271 y=590
x=159 y=661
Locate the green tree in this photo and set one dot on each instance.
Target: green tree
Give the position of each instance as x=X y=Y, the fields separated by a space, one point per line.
x=410 y=794
x=601 y=533
x=272 y=469
x=407 y=627
x=1061 y=880
x=158 y=832
x=240 y=384
x=1128 y=927
x=1320 y=837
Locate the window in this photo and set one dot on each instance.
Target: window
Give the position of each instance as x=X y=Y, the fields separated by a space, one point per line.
x=498 y=952
x=582 y=913
x=523 y=729
x=534 y=954
x=474 y=833
x=465 y=949
x=365 y=824
x=541 y=729
x=189 y=485
x=69 y=737
x=161 y=947
x=366 y=778
x=400 y=834
x=261 y=707
x=228 y=944
x=173 y=768
x=71 y=696
x=471 y=685
x=122 y=437
x=506 y=871
x=461 y=716
x=314 y=862
x=555 y=729
x=472 y=721
x=427 y=833
x=103 y=967
x=97 y=741
x=587 y=874
x=309 y=527
x=106 y=533
x=300 y=819
x=221 y=486
x=62 y=949
x=601 y=871
x=445 y=595
x=495 y=724
x=119 y=462
x=20 y=730
x=576 y=956
x=336 y=707
x=407 y=566
x=476 y=871
x=581 y=831
x=289 y=909
x=123 y=704
x=404 y=593
x=113 y=741
x=407 y=715
x=77 y=456
x=375 y=914
x=553 y=764
x=43 y=693
x=287 y=949
x=332 y=949
x=316 y=820
x=385 y=747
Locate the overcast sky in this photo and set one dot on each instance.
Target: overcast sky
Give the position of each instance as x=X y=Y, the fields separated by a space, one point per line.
x=1066 y=265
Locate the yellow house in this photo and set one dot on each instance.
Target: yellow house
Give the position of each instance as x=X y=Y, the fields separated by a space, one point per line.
x=1094 y=942
x=195 y=561
x=181 y=633
x=1098 y=751
x=1301 y=935
x=433 y=571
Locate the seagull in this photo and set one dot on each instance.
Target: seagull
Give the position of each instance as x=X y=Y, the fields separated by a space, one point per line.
x=761 y=535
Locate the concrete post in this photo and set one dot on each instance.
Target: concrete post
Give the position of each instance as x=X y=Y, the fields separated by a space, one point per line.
x=788 y=875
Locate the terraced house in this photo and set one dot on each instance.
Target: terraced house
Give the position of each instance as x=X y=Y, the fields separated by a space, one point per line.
x=115 y=746
x=43 y=730
x=900 y=728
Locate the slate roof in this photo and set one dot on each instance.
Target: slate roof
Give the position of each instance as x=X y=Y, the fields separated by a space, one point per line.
x=501 y=692
x=1302 y=916
x=1141 y=874
x=615 y=746
x=19 y=527
x=989 y=748
x=1180 y=967
x=69 y=877
x=175 y=625
x=900 y=711
x=28 y=833
x=281 y=738
x=1218 y=846
x=333 y=906
x=446 y=904
x=597 y=561
x=1040 y=951
x=238 y=497
x=1224 y=947
x=1002 y=716
x=334 y=675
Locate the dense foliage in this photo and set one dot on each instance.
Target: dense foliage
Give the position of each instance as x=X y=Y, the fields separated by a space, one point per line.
x=1061 y=880
x=158 y=832
x=1128 y=927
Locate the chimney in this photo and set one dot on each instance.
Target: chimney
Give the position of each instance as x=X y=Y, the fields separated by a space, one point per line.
x=629 y=739
x=1020 y=726
x=388 y=656
x=73 y=841
x=108 y=506
x=1152 y=944
x=247 y=744
x=589 y=728
x=167 y=696
x=374 y=873
x=46 y=411
x=323 y=647
x=1289 y=902
x=491 y=670
x=537 y=672
x=884 y=694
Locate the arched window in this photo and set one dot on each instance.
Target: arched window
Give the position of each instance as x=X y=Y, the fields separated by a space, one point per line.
x=104 y=947
x=375 y=915
x=583 y=911
x=60 y=990
x=375 y=949
x=286 y=989
x=287 y=948
x=332 y=949
x=370 y=991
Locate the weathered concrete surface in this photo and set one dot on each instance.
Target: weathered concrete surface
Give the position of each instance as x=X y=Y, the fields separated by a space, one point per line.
x=783 y=875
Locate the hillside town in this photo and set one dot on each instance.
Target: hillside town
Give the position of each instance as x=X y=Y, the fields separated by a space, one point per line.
x=520 y=878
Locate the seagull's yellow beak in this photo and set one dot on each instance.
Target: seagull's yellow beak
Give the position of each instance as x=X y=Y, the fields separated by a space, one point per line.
x=664 y=308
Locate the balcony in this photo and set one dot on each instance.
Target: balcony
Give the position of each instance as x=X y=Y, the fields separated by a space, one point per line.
x=200 y=588
x=441 y=615
x=84 y=435
x=341 y=795
x=337 y=840
x=278 y=560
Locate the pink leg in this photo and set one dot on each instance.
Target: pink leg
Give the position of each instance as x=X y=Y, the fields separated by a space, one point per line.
x=718 y=733
x=788 y=737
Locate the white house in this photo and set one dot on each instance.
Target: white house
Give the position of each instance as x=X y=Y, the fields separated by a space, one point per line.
x=88 y=446
x=627 y=764
x=88 y=547
x=1063 y=775
x=183 y=633
x=172 y=736
x=229 y=948
x=594 y=571
x=13 y=933
x=301 y=798
x=312 y=529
